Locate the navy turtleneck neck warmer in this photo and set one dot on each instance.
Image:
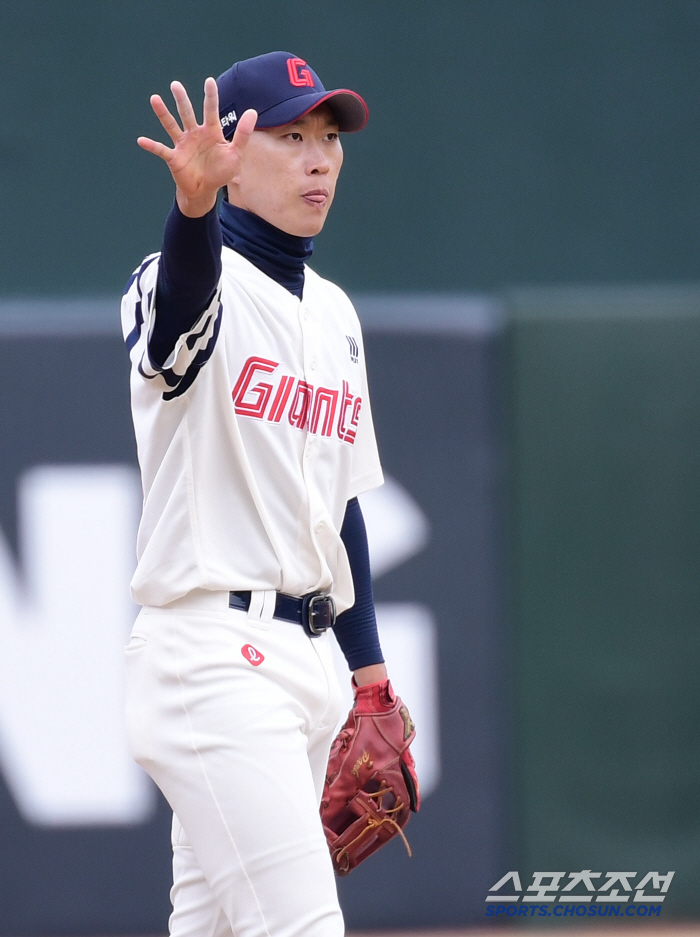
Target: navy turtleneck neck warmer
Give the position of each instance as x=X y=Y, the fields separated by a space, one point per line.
x=279 y=255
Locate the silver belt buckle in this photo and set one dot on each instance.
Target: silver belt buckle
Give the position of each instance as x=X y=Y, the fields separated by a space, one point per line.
x=318 y=613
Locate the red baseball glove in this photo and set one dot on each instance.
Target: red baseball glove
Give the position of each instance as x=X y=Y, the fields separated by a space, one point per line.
x=371 y=784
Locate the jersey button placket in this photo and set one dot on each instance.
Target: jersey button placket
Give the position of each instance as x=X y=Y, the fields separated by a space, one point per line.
x=309 y=453
x=310 y=365
x=309 y=358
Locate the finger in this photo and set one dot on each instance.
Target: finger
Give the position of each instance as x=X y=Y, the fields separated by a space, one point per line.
x=184 y=106
x=211 y=104
x=153 y=146
x=168 y=122
x=245 y=128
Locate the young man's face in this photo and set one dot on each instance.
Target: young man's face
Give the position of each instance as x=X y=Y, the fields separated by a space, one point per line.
x=288 y=174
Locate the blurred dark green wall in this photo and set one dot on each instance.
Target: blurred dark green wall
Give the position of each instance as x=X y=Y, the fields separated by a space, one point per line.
x=606 y=474
x=511 y=141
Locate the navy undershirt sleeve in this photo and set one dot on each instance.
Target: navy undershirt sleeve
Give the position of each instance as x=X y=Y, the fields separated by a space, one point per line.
x=356 y=628
x=188 y=274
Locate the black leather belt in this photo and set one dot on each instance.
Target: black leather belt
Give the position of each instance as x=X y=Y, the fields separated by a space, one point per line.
x=315 y=612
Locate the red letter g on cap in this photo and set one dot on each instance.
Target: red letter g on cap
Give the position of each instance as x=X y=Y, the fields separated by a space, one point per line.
x=298 y=76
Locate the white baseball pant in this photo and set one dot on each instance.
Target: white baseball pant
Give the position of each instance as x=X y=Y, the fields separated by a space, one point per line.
x=239 y=747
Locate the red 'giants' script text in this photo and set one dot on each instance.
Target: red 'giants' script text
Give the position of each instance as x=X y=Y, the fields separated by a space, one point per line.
x=319 y=410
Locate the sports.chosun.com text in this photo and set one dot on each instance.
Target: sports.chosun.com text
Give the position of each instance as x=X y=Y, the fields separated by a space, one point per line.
x=571 y=910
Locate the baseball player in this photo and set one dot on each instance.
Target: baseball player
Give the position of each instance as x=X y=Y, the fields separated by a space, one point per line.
x=255 y=438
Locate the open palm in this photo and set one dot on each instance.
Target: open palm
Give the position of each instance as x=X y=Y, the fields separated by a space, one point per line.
x=201 y=160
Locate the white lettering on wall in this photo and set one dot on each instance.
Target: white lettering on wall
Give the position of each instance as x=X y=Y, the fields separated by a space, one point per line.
x=64 y=621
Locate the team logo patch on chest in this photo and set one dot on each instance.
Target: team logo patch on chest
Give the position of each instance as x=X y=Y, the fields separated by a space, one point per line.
x=322 y=410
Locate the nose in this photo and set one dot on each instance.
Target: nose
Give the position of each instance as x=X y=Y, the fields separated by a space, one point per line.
x=320 y=168
x=318 y=163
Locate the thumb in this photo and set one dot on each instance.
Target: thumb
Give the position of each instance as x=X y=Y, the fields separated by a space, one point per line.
x=245 y=128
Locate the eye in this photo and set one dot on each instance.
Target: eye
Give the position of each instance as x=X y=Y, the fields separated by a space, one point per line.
x=294 y=135
x=332 y=136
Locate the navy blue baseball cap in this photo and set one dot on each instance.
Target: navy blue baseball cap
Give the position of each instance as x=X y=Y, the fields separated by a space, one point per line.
x=281 y=87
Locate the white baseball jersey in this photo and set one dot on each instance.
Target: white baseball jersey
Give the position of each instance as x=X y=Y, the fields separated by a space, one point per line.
x=251 y=438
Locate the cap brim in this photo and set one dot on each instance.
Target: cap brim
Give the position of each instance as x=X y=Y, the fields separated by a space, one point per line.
x=348 y=108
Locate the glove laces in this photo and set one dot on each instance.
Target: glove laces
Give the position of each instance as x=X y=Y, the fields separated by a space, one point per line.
x=375 y=823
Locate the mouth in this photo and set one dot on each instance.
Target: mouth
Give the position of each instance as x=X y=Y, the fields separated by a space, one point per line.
x=316 y=196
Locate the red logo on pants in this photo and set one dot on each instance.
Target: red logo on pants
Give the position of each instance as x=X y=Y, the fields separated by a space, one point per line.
x=251 y=655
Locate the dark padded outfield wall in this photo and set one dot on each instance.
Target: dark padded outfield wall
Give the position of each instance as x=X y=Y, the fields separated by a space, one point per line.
x=606 y=481
x=435 y=372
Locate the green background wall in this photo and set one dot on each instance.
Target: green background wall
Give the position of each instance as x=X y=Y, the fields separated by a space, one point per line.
x=510 y=141
x=606 y=496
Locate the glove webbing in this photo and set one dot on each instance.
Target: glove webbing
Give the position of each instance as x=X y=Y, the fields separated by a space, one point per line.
x=373 y=823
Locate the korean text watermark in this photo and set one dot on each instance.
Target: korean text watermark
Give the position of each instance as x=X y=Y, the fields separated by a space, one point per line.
x=562 y=894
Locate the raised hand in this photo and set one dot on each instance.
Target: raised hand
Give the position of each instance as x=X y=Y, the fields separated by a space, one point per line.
x=201 y=160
